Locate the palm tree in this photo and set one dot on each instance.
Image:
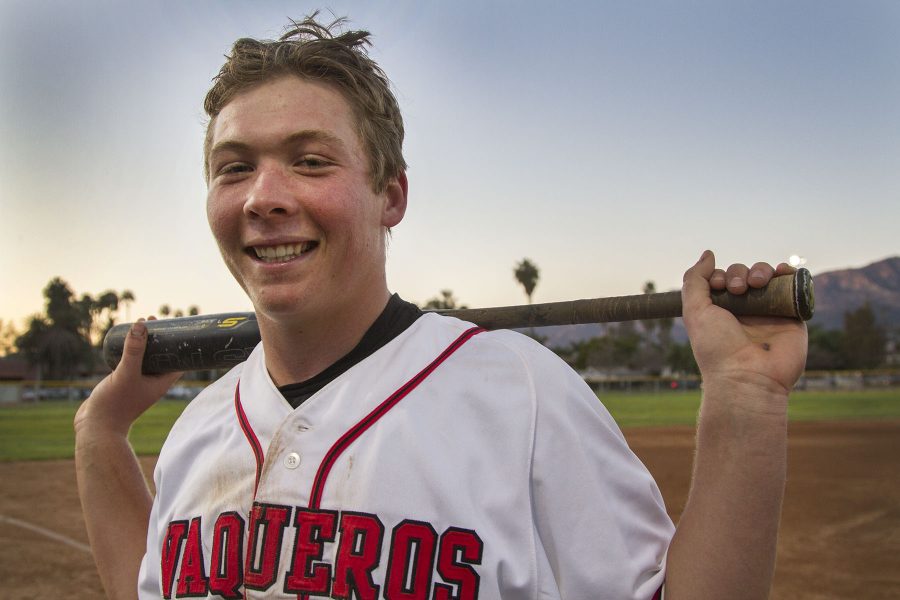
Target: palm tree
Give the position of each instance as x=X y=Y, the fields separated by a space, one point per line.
x=127 y=298
x=445 y=301
x=526 y=273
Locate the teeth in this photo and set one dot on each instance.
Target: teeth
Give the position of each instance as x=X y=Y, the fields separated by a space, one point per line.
x=282 y=252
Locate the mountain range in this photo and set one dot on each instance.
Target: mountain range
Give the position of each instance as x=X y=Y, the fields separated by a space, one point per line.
x=836 y=292
x=840 y=291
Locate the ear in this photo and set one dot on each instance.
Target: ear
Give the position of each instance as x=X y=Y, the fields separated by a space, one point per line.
x=395 y=193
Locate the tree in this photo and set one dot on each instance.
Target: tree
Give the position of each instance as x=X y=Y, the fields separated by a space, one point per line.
x=680 y=357
x=107 y=303
x=526 y=273
x=62 y=310
x=126 y=298
x=594 y=352
x=166 y=311
x=626 y=344
x=8 y=335
x=59 y=344
x=445 y=301
x=649 y=325
x=826 y=349
x=864 y=339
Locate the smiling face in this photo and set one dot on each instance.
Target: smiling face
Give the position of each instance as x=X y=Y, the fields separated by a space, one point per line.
x=291 y=204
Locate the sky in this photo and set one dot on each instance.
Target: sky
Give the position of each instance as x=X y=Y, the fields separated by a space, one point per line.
x=609 y=142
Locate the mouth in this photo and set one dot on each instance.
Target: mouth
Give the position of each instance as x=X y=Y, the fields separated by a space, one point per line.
x=281 y=252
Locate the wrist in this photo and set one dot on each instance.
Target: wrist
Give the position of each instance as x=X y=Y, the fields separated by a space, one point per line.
x=91 y=424
x=746 y=393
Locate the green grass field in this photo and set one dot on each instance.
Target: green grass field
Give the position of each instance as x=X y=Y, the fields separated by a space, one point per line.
x=680 y=408
x=44 y=431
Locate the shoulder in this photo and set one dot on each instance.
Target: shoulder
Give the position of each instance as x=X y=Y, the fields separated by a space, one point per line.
x=214 y=395
x=497 y=346
x=513 y=360
x=209 y=410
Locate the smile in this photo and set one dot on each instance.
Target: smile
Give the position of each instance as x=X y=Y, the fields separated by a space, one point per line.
x=282 y=252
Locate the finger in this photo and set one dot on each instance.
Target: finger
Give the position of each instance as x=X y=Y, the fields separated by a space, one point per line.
x=784 y=269
x=760 y=274
x=695 y=291
x=736 y=278
x=717 y=280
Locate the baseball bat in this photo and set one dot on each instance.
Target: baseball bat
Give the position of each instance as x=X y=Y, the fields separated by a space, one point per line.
x=223 y=340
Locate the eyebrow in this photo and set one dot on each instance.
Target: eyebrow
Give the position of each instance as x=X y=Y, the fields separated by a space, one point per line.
x=307 y=135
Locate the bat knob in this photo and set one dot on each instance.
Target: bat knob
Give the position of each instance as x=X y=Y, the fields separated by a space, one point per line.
x=804 y=299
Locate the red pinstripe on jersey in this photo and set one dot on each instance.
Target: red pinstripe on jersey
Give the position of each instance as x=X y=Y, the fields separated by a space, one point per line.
x=249 y=434
x=357 y=430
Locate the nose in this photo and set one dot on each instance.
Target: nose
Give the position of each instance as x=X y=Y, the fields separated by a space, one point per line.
x=270 y=194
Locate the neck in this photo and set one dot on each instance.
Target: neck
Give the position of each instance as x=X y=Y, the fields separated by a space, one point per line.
x=299 y=347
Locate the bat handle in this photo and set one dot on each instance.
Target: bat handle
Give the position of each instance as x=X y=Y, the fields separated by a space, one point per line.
x=784 y=297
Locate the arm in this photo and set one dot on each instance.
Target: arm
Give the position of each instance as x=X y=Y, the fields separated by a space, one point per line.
x=114 y=496
x=724 y=545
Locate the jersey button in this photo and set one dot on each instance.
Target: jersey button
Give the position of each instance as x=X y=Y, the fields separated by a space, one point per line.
x=292 y=460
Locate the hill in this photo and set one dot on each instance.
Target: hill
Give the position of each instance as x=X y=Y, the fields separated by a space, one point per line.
x=848 y=289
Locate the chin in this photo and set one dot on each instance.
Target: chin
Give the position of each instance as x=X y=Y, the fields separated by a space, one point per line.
x=279 y=304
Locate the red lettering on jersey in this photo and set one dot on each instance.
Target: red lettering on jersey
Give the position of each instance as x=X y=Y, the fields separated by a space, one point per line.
x=267 y=523
x=226 y=565
x=314 y=528
x=192 y=579
x=359 y=553
x=460 y=549
x=411 y=561
x=171 y=548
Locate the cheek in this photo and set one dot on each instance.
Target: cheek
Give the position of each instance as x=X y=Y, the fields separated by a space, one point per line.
x=219 y=222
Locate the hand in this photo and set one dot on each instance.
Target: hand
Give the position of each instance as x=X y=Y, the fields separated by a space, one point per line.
x=126 y=393
x=763 y=351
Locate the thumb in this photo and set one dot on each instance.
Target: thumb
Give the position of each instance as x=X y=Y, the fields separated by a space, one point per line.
x=695 y=291
x=133 y=349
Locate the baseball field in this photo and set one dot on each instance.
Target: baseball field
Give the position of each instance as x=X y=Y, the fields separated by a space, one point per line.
x=840 y=534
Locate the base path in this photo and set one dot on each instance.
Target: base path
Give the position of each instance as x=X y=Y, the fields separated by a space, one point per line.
x=840 y=532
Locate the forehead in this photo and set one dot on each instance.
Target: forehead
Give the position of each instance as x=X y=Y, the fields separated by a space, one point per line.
x=273 y=111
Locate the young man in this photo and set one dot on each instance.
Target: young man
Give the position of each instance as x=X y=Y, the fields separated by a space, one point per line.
x=366 y=450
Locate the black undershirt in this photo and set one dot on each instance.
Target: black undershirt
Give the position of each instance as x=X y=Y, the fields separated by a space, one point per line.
x=396 y=317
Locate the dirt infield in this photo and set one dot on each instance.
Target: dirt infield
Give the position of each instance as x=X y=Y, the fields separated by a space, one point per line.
x=840 y=535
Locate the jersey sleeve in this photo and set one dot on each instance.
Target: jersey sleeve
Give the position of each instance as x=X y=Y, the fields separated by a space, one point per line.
x=601 y=524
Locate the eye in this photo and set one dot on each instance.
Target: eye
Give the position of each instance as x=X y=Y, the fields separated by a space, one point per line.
x=312 y=162
x=233 y=168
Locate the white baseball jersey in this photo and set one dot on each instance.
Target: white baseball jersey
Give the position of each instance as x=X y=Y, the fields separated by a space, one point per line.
x=452 y=463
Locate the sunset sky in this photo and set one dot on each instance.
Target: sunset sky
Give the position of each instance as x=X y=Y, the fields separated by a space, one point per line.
x=609 y=142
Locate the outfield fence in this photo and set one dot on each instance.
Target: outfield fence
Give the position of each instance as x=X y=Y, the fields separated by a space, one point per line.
x=74 y=391
x=77 y=390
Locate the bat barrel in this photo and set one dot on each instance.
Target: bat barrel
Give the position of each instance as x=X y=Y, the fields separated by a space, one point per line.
x=189 y=343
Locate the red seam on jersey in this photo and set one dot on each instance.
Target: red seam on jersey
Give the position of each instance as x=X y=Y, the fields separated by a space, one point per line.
x=357 y=430
x=249 y=434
